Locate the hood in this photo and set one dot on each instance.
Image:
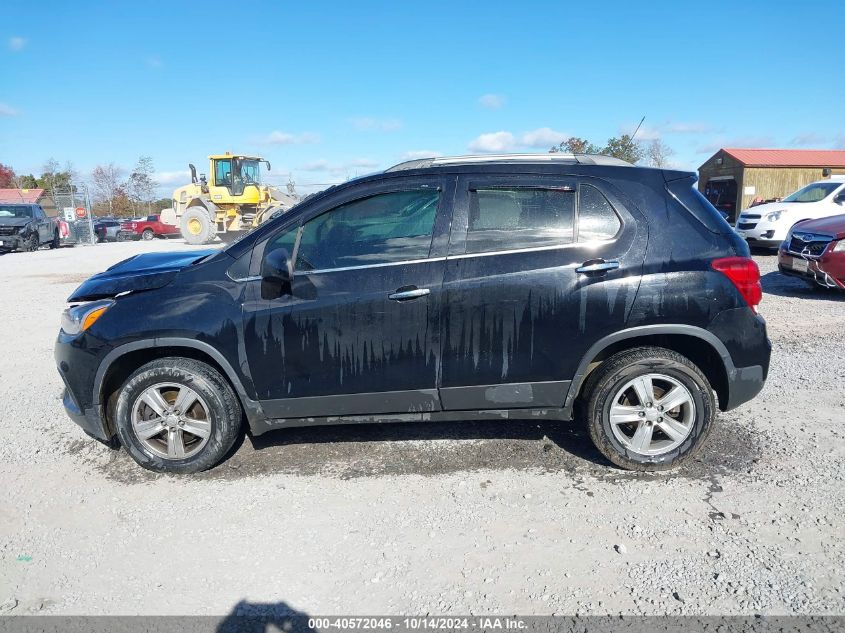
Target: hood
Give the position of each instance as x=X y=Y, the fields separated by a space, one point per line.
x=833 y=225
x=142 y=272
x=10 y=221
x=789 y=207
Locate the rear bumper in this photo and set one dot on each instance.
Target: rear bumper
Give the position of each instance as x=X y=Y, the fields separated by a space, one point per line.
x=127 y=236
x=743 y=384
x=749 y=352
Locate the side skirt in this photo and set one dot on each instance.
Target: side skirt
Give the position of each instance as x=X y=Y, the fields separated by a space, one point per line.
x=554 y=413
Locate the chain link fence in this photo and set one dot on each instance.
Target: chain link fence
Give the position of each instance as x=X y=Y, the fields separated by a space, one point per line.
x=67 y=201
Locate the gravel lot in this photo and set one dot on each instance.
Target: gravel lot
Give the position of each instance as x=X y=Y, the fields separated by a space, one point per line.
x=467 y=518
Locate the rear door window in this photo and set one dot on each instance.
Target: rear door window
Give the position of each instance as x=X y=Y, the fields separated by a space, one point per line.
x=519 y=217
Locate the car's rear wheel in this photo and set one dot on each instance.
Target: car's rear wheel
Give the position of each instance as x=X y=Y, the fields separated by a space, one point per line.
x=177 y=415
x=54 y=243
x=649 y=408
x=147 y=234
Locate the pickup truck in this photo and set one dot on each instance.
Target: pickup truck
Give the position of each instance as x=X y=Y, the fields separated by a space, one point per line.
x=146 y=229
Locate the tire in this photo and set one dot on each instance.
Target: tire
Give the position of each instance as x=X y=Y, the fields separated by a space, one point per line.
x=147 y=235
x=653 y=439
x=216 y=413
x=32 y=244
x=196 y=226
x=56 y=241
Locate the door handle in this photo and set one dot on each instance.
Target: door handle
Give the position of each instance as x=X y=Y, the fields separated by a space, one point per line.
x=597 y=266
x=408 y=294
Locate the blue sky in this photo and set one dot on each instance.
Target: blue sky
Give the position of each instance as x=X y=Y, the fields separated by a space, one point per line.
x=328 y=90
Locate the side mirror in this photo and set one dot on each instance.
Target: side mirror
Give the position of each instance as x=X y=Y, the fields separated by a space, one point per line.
x=276 y=274
x=840 y=198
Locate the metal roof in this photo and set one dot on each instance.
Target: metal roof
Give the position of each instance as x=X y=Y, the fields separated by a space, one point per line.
x=487 y=159
x=20 y=196
x=788 y=157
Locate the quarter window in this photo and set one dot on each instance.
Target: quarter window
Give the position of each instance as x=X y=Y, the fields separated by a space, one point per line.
x=505 y=219
x=596 y=218
x=384 y=228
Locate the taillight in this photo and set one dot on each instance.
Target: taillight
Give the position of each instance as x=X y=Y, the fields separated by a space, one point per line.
x=744 y=274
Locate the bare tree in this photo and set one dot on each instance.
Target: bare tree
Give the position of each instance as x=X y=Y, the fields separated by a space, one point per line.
x=107 y=184
x=49 y=174
x=658 y=153
x=140 y=186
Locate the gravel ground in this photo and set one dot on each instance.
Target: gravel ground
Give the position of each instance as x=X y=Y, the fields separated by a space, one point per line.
x=466 y=518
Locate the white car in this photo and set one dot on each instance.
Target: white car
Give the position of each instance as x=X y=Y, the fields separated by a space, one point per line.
x=767 y=225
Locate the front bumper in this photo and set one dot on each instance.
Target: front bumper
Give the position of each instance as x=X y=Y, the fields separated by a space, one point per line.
x=10 y=242
x=763 y=234
x=828 y=271
x=77 y=361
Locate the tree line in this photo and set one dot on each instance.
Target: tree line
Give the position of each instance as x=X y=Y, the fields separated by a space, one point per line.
x=114 y=191
x=654 y=153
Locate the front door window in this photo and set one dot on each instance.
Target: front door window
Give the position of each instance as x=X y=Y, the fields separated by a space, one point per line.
x=223 y=173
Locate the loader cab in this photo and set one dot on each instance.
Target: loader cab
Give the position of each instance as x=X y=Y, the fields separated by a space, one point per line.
x=236 y=176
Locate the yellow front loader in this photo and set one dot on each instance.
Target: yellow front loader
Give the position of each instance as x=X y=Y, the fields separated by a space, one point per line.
x=227 y=203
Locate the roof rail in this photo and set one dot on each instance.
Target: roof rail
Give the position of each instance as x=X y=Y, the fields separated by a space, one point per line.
x=557 y=157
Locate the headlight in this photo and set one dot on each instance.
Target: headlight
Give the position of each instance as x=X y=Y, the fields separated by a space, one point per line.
x=838 y=246
x=774 y=216
x=78 y=318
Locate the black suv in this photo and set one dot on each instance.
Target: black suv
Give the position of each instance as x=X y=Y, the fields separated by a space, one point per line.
x=517 y=287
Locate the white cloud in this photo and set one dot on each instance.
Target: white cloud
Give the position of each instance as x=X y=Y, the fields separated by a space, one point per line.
x=381 y=125
x=285 y=138
x=690 y=127
x=420 y=153
x=493 y=142
x=182 y=176
x=809 y=138
x=7 y=110
x=346 y=168
x=645 y=133
x=748 y=142
x=543 y=137
x=491 y=101
x=16 y=43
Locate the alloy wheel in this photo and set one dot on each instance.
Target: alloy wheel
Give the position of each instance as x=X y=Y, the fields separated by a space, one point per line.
x=652 y=414
x=171 y=420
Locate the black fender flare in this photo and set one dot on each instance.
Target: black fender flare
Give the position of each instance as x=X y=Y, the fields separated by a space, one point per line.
x=645 y=330
x=252 y=408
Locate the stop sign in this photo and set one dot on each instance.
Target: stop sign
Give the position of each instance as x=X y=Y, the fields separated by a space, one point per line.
x=81 y=212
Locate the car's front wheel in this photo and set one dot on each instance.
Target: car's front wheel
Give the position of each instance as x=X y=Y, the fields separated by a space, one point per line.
x=649 y=408
x=32 y=243
x=177 y=415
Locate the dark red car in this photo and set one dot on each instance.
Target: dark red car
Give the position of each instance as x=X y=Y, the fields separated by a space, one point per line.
x=814 y=250
x=146 y=229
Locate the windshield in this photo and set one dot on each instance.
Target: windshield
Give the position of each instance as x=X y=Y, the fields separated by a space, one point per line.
x=250 y=172
x=15 y=211
x=814 y=192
